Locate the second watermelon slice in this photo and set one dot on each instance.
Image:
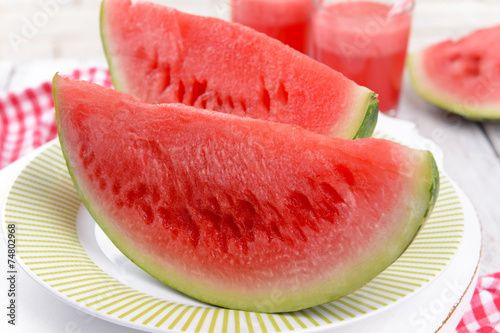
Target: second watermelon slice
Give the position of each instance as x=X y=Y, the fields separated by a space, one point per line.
x=161 y=55
x=461 y=76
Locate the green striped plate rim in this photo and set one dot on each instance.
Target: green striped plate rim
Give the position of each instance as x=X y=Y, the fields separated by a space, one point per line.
x=43 y=205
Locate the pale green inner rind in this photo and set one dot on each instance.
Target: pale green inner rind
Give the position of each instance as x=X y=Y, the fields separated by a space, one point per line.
x=113 y=71
x=434 y=189
x=370 y=120
x=360 y=116
x=425 y=88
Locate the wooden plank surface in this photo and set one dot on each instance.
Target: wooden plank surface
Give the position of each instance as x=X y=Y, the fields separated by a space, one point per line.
x=492 y=130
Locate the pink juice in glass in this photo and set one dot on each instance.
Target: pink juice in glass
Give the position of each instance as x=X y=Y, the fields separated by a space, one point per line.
x=285 y=20
x=360 y=40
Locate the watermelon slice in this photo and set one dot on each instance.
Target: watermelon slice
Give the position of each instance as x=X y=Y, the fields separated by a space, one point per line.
x=161 y=55
x=241 y=212
x=461 y=76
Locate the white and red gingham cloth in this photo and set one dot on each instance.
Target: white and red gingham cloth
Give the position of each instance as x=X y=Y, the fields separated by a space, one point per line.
x=483 y=314
x=27 y=120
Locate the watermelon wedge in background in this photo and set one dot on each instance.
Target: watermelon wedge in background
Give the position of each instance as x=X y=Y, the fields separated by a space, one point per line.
x=241 y=212
x=161 y=55
x=461 y=76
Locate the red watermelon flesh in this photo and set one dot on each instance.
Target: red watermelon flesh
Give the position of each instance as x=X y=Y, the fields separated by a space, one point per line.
x=161 y=55
x=461 y=76
x=240 y=212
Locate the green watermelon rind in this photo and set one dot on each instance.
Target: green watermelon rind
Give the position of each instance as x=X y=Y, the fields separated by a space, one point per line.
x=369 y=122
x=434 y=189
x=366 y=102
x=427 y=90
x=107 y=52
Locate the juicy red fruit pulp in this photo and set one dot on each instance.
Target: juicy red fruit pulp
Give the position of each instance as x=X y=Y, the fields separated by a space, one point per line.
x=231 y=209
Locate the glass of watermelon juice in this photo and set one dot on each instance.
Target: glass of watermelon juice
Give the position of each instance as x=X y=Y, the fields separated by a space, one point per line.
x=285 y=20
x=364 y=40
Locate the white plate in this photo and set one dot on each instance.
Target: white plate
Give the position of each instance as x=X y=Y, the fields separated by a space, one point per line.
x=62 y=248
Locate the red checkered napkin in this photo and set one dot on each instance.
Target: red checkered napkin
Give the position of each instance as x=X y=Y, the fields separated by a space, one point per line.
x=483 y=315
x=27 y=121
x=27 y=118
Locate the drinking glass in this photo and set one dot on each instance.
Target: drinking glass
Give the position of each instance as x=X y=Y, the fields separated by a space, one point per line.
x=285 y=20
x=366 y=41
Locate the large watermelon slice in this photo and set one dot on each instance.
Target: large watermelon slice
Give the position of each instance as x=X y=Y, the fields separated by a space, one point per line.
x=161 y=55
x=461 y=76
x=241 y=212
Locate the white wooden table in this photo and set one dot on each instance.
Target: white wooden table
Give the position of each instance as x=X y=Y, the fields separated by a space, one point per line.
x=471 y=149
